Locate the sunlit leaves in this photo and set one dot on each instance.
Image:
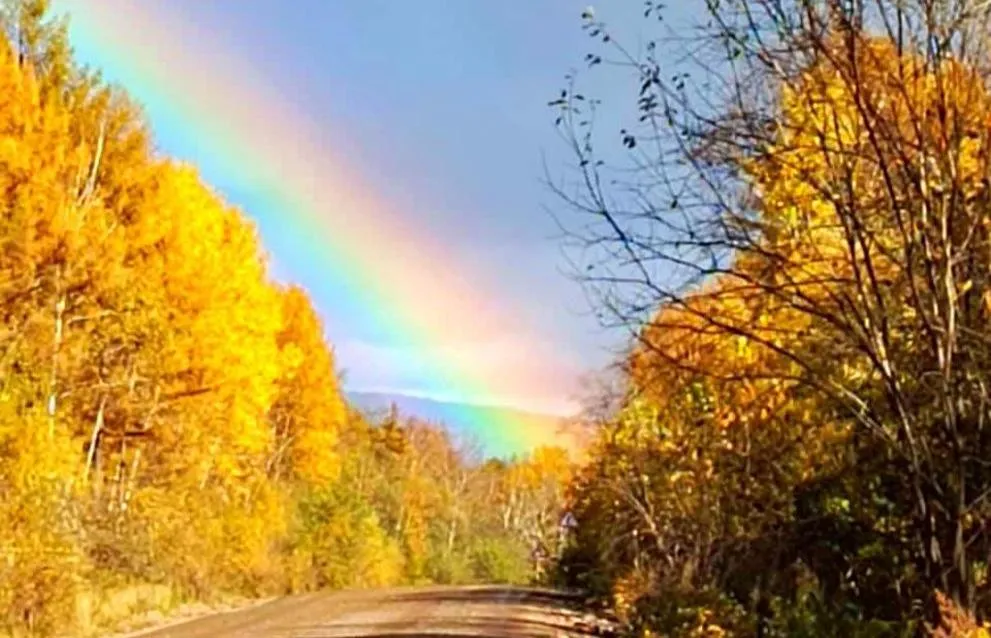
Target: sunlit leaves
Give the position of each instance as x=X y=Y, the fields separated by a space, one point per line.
x=171 y=415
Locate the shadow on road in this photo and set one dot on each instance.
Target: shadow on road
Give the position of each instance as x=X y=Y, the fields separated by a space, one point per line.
x=493 y=594
x=456 y=628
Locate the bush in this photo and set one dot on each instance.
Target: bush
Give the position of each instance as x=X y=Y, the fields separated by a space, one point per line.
x=499 y=560
x=340 y=543
x=811 y=617
x=41 y=567
x=688 y=613
x=955 y=622
x=451 y=568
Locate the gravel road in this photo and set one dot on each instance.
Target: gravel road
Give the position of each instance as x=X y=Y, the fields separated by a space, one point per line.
x=433 y=612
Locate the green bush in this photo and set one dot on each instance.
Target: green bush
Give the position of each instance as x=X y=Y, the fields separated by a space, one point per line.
x=341 y=543
x=450 y=568
x=500 y=560
x=810 y=617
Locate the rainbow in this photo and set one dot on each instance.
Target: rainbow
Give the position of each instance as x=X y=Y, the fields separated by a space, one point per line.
x=308 y=200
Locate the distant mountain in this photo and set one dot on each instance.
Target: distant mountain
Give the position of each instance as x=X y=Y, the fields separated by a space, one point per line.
x=476 y=422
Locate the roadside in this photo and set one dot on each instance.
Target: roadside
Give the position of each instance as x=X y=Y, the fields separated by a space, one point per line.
x=153 y=617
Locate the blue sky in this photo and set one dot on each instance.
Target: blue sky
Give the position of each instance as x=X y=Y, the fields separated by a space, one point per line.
x=441 y=105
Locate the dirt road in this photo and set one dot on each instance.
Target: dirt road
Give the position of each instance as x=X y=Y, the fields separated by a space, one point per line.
x=436 y=612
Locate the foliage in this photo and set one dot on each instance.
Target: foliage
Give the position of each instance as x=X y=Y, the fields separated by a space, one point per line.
x=171 y=419
x=499 y=560
x=344 y=543
x=796 y=231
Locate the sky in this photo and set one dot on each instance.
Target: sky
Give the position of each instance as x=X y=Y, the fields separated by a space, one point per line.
x=422 y=128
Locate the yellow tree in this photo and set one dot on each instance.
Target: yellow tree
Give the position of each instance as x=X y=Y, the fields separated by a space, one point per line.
x=220 y=360
x=310 y=412
x=833 y=168
x=58 y=240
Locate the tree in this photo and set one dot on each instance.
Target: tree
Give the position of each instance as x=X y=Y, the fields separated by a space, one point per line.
x=310 y=412
x=809 y=180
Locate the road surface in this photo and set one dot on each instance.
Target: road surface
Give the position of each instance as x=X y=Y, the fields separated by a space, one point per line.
x=424 y=612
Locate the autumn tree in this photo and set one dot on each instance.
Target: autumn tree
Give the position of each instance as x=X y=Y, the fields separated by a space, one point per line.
x=807 y=181
x=309 y=412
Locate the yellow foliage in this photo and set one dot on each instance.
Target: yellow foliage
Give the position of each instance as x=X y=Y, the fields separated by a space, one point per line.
x=955 y=622
x=167 y=411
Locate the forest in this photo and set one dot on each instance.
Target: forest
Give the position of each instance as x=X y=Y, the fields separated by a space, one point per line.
x=789 y=210
x=172 y=426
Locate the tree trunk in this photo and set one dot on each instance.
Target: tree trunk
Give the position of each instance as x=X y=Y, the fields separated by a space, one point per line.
x=94 y=440
x=57 y=339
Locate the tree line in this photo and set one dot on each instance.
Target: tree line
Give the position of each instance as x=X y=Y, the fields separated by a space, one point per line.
x=172 y=417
